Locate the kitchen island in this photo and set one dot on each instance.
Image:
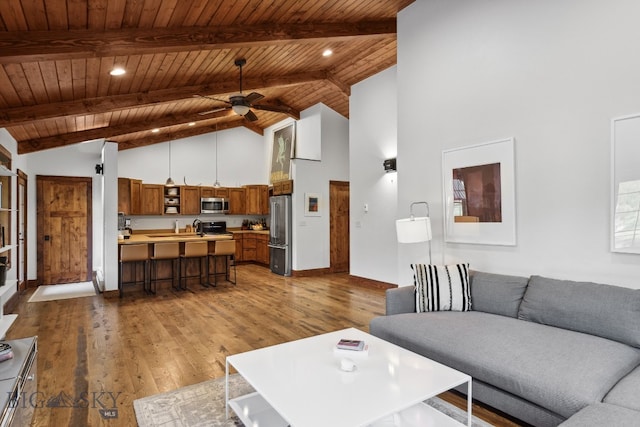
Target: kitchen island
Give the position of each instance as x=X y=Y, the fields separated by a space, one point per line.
x=164 y=272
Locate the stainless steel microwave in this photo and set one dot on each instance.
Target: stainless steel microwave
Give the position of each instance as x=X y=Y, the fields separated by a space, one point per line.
x=214 y=205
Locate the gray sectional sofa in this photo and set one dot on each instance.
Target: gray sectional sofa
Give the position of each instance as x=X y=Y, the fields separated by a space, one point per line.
x=545 y=351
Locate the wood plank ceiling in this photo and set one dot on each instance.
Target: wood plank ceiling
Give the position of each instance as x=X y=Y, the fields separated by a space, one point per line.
x=56 y=55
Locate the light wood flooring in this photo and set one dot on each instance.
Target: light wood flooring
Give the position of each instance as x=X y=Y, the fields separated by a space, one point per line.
x=94 y=349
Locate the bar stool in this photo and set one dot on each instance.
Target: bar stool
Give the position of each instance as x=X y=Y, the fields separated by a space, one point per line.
x=193 y=250
x=226 y=249
x=136 y=254
x=168 y=251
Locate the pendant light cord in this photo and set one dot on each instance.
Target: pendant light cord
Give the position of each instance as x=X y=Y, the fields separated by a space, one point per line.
x=216 y=184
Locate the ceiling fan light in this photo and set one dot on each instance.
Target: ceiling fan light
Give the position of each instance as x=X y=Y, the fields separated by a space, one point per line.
x=240 y=110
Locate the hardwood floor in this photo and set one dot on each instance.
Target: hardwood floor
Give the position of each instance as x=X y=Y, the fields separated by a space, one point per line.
x=98 y=350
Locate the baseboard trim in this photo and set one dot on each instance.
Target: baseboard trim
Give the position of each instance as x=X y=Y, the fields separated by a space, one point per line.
x=310 y=273
x=33 y=283
x=370 y=283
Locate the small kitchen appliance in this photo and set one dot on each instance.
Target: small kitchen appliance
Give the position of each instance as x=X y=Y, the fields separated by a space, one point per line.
x=214 y=205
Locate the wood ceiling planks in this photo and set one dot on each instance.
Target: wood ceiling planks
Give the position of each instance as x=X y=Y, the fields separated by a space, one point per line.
x=55 y=58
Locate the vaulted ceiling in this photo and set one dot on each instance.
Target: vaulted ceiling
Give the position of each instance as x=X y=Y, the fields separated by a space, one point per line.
x=56 y=57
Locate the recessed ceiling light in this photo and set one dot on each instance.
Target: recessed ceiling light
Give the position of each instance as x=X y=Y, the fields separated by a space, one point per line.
x=156 y=130
x=327 y=52
x=192 y=124
x=117 y=71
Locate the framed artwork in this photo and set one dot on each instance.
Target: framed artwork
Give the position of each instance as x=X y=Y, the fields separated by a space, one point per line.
x=625 y=184
x=479 y=193
x=312 y=204
x=282 y=149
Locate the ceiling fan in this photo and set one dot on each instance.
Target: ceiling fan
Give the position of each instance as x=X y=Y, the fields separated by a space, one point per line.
x=242 y=104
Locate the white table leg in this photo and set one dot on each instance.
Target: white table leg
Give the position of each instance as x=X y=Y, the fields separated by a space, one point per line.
x=469 y=403
x=226 y=389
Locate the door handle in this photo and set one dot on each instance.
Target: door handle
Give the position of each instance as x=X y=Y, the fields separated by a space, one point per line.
x=47 y=238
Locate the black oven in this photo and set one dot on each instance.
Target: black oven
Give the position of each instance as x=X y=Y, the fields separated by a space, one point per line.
x=214 y=205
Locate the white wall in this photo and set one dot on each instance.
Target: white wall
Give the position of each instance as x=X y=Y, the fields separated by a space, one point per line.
x=372 y=139
x=319 y=126
x=552 y=74
x=74 y=160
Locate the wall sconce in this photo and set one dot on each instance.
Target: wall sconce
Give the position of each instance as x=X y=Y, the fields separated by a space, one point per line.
x=415 y=230
x=99 y=169
x=389 y=165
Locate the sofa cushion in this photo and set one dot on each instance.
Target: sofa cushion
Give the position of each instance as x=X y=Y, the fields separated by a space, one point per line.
x=557 y=369
x=603 y=414
x=497 y=293
x=627 y=392
x=441 y=287
x=603 y=310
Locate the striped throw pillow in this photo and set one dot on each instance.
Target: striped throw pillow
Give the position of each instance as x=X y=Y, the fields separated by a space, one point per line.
x=442 y=287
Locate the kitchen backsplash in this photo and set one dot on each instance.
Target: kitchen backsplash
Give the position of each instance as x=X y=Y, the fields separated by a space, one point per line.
x=139 y=222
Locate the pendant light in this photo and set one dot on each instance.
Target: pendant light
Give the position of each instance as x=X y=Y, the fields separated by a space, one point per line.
x=170 y=182
x=217 y=183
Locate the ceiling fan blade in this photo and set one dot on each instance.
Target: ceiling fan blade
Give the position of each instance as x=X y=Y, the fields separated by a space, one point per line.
x=211 y=98
x=251 y=116
x=213 y=111
x=275 y=108
x=253 y=97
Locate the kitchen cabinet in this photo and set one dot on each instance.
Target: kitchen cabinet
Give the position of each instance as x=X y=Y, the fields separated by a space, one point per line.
x=189 y=200
x=214 y=192
x=237 y=201
x=152 y=199
x=207 y=192
x=129 y=196
x=249 y=246
x=221 y=192
x=283 y=187
x=262 y=249
x=257 y=199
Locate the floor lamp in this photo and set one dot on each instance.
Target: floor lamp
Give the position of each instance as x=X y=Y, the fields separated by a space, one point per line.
x=415 y=229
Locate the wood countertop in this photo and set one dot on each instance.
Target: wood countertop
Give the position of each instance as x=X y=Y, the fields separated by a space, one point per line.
x=248 y=231
x=172 y=237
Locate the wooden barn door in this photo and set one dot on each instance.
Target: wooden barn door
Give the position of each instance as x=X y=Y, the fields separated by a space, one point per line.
x=64 y=229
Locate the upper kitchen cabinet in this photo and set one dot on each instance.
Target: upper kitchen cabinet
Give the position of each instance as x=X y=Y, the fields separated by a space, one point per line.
x=189 y=200
x=237 y=201
x=283 y=187
x=130 y=196
x=152 y=199
x=257 y=199
x=209 y=192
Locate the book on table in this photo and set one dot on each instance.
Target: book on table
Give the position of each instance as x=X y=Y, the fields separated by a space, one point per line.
x=353 y=345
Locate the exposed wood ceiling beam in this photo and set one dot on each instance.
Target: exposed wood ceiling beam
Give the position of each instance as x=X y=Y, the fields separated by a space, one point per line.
x=109 y=132
x=155 y=139
x=21 y=115
x=28 y=46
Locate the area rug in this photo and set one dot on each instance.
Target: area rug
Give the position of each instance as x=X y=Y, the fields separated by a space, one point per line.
x=202 y=405
x=65 y=291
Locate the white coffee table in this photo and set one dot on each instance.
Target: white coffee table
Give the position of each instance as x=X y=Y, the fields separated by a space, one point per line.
x=300 y=384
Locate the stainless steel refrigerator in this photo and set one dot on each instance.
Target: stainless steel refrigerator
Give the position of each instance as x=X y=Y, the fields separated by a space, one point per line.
x=280 y=235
